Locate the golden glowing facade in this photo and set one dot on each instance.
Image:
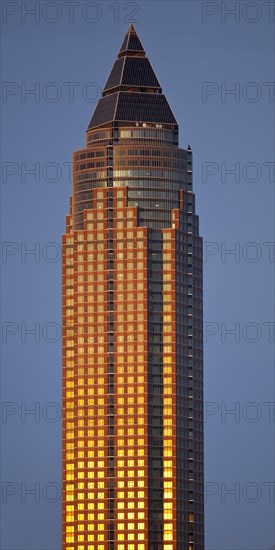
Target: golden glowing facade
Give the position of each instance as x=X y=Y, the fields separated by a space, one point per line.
x=132 y=327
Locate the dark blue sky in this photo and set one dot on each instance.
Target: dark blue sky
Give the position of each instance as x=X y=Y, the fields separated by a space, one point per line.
x=199 y=52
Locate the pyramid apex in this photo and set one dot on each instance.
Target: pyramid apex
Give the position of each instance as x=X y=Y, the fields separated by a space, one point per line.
x=132 y=70
x=131 y=44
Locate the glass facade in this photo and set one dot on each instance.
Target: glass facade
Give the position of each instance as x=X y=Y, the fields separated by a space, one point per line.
x=132 y=327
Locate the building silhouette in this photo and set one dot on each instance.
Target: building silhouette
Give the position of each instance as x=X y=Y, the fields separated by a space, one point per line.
x=132 y=326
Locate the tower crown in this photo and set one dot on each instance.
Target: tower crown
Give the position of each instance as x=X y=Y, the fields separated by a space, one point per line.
x=132 y=92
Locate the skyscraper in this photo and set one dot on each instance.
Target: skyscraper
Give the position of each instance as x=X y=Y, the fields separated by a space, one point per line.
x=132 y=326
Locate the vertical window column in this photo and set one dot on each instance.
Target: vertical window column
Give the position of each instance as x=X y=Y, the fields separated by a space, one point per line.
x=169 y=394
x=111 y=355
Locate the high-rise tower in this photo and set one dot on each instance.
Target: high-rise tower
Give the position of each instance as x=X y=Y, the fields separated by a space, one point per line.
x=132 y=326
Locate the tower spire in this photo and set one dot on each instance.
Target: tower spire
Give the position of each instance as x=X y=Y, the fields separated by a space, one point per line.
x=131 y=44
x=132 y=91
